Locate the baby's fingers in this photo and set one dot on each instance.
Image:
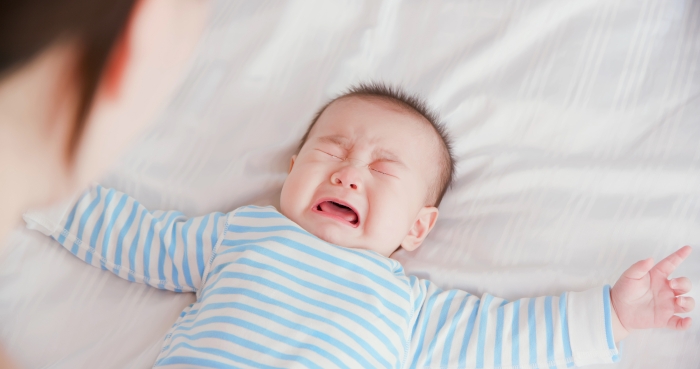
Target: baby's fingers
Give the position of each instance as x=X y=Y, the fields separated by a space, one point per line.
x=680 y=285
x=669 y=264
x=684 y=304
x=679 y=323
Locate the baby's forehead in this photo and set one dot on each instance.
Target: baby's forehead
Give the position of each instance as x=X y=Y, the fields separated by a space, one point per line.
x=378 y=102
x=353 y=111
x=372 y=114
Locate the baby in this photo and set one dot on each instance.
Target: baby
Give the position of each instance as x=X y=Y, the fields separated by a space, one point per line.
x=313 y=285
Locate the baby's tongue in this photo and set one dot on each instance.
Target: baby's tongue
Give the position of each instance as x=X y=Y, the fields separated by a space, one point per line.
x=343 y=212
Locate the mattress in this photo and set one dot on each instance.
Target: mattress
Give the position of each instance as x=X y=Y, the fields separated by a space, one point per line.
x=576 y=126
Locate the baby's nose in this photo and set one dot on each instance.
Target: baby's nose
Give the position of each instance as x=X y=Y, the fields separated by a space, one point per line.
x=348 y=176
x=350 y=184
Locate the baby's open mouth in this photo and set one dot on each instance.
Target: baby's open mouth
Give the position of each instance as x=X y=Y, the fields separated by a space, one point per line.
x=339 y=211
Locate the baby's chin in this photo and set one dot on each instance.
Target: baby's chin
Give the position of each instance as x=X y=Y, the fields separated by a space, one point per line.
x=329 y=234
x=335 y=234
x=340 y=237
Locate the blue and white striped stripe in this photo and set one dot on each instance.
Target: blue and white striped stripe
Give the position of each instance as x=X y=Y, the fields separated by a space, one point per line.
x=271 y=295
x=163 y=249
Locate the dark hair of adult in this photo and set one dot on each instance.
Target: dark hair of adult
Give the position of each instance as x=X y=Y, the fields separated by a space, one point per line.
x=413 y=104
x=28 y=27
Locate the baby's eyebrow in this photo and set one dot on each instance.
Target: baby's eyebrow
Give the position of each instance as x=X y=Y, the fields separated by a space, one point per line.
x=341 y=141
x=385 y=155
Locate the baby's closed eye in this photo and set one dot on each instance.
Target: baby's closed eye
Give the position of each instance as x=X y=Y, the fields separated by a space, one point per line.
x=384 y=167
x=336 y=157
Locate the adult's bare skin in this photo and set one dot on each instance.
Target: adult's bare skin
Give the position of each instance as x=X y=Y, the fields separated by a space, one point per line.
x=38 y=102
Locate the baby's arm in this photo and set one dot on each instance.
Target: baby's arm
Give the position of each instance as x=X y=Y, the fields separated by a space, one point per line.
x=455 y=329
x=644 y=297
x=111 y=230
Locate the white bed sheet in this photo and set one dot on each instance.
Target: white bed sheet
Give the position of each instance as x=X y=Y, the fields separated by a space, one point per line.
x=576 y=125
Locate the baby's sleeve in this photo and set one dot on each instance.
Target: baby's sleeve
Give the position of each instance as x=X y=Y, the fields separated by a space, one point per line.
x=454 y=329
x=110 y=230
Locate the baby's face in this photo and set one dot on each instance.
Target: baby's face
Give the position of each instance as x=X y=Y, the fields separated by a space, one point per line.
x=363 y=177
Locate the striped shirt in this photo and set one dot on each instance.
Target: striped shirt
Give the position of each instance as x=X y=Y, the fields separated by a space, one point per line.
x=271 y=295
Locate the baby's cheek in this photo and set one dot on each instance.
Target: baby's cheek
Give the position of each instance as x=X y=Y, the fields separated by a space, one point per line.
x=289 y=197
x=297 y=191
x=389 y=226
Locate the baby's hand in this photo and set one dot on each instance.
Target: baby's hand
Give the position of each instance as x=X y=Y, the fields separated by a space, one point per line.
x=644 y=297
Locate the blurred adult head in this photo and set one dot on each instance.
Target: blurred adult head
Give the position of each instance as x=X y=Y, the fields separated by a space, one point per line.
x=78 y=79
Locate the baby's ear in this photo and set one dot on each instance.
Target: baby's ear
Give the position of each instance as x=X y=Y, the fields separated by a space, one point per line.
x=421 y=227
x=291 y=163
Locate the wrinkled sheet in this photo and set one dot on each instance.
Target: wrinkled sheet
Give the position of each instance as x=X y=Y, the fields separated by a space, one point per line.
x=576 y=125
